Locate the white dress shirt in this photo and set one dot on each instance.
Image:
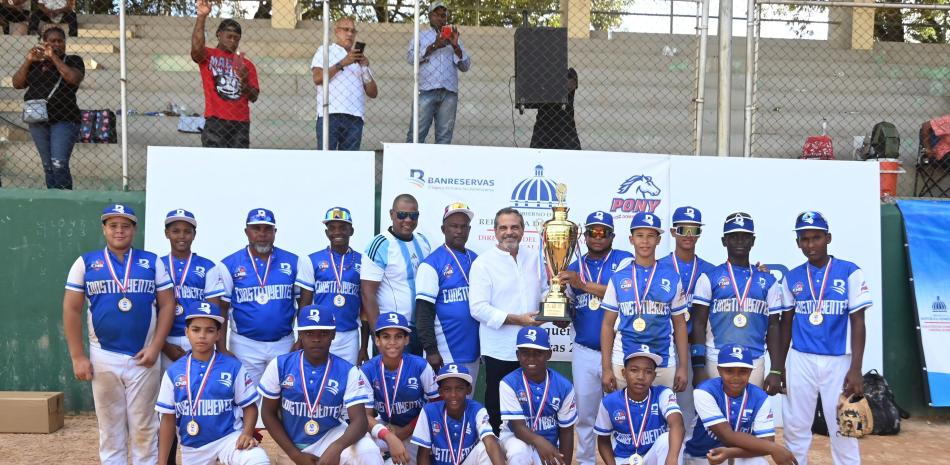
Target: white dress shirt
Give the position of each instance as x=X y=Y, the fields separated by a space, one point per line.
x=502 y=286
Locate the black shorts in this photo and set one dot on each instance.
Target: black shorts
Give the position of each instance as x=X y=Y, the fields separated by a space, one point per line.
x=222 y=133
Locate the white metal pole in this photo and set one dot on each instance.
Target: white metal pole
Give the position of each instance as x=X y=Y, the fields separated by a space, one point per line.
x=123 y=103
x=701 y=74
x=325 y=130
x=724 y=105
x=750 y=39
x=415 y=76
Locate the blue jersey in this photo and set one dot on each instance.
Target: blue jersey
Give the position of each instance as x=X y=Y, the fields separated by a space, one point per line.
x=241 y=286
x=228 y=386
x=845 y=293
x=433 y=433
x=393 y=262
x=316 y=273
x=442 y=279
x=587 y=320
x=717 y=291
x=660 y=302
x=416 y=386
x=613 y=419
x=713 y=406
x=520 y=398
x=110 y=328
x=199 y=279
x=689 y=276
x=331 y=393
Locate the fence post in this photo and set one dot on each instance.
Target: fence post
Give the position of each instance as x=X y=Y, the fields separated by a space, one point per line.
x=703 y=30
x=750 y=39
x=123 y=103
x=724 y=105
x=575 y=15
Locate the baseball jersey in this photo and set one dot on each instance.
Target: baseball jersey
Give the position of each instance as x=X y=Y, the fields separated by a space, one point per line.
x=392 y=262
x=752 y=411
x=295 y=382
x=228 y=386
x=442 y=434
x=845 y=292
x=662 y=297
x=763 y=297
x=110 y=328
x=316 y=273
x=442 y=279
x=193 y=277
x=587 y=320
x=689 y=274
x=520 y=399
x=617 y=412
x=400 y=394
x=240 y=285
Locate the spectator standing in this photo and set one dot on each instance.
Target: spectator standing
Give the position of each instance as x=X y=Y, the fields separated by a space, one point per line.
x=54 y=11
x=14 y=11
x=554 y=126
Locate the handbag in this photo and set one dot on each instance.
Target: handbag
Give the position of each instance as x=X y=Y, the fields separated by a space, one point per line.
x=34 y=111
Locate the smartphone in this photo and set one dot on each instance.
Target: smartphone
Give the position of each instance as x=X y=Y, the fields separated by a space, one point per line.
x=446 y=32
x=359 y=46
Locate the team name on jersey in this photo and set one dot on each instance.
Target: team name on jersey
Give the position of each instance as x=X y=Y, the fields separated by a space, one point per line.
x=206 y=407
x=649 y=436
x=458 y=294
x=828 y=307
x=401 y=407
x=274 y=291
x=299 y=409
x=330 y=287
x=143 y=286
x=754 y=306
x=189 y=292
x=629 y=308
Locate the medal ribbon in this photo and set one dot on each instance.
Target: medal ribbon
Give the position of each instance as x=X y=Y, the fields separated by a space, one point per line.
x=456 y=457
x=636 y=436
x=128 y=269
x=457 y=262
x=636 y=287
x=193 y=405
x=585 y=270
x=171 y=269
x=745 y=398
x=382 y=375
x=337 y=275
x=261 y=282
x=748 y=285
x=824 y=280
x=536 y=416
x=312 y=408
x=692 y=275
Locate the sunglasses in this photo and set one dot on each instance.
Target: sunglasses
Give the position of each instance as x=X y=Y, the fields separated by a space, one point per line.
x=598 y=233
x=411 y=215
x=337 y=214
x=687 y=230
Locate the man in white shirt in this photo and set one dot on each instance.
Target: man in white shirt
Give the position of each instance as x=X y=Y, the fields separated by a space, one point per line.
x=504 y=294
x=351 y=81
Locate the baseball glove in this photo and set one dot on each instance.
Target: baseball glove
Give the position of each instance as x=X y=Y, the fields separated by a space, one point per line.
x=854 y=417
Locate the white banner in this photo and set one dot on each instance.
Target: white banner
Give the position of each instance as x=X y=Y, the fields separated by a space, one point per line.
x=220 y=186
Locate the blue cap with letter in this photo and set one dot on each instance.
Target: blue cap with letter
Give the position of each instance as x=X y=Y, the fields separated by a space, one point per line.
x=392 y=320
x=181 y=215
x=454 y=370
x=261 y=216
x=646 y=220
x=644 y=351
x=600 y=218
x=687 y=214
x=203 y=309
x=533 y=337
x=118 y=210
x=735 y=355
x=738 y=222
x=811 y=220
x=312 y=317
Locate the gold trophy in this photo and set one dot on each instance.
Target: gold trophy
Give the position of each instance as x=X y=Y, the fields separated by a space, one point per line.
x=558 y=243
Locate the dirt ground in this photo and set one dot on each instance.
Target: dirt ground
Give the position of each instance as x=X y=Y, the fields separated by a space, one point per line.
x=77 y=443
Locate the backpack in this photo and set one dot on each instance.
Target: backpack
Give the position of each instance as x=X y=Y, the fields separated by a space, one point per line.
x=885 y=142
x=887 y=414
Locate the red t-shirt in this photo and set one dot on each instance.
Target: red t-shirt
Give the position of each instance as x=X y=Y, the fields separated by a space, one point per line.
x=222 y=87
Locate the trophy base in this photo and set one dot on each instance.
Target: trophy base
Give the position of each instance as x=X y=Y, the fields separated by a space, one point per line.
x=554 y=311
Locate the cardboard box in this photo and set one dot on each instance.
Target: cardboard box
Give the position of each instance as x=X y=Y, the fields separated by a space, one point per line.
x=31 y=412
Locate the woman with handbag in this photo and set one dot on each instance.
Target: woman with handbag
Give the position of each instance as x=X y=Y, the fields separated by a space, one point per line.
x=51 y=79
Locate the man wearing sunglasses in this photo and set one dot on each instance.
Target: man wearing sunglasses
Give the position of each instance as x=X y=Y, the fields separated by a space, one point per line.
x=587 y=279
x=388 y=275
x=686 y=227
x=740 y=303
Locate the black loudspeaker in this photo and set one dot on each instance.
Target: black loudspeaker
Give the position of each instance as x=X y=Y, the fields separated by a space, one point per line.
x=540 y=66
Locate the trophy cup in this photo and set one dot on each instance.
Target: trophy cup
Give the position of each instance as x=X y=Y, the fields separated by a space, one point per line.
x=559 y=239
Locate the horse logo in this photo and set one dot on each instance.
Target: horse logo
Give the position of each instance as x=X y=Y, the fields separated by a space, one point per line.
x=640 y=184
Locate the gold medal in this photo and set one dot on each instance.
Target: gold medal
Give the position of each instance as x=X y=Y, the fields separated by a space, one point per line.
x=193 y=428
x=740 y=320
x=125 y=304
x=339 y=300
x=593 y=303
x=636 y=459
x=262 y=298
x=311 y=428
x=179 y=310
x=639 y=324
x=816 y=318
x=686 y=315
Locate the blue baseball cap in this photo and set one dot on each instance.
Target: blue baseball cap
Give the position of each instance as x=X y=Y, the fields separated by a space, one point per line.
x=454 y=370
x=392 y=320
x=338 y=214
x=120 y=210
x=646 y=220
x=203 y=309
x=735 y=355
x=533 y=337
x=644 y=351
x=261 y=216
x=600 y=217
x=738 y=222
x=687 y=214
x=181 y=215
x=811 y=220
x=312 y=317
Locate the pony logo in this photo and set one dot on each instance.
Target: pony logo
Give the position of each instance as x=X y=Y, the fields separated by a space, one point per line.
x=225 y=379
x=531 y=335
x=640 y=184
x=205 y=308
x=665 y=285
x=838 y=286
x=638 y=193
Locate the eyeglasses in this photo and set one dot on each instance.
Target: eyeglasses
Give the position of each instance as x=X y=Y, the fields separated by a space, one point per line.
x=687 y=230
x=598 y=233
x=411 y=215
